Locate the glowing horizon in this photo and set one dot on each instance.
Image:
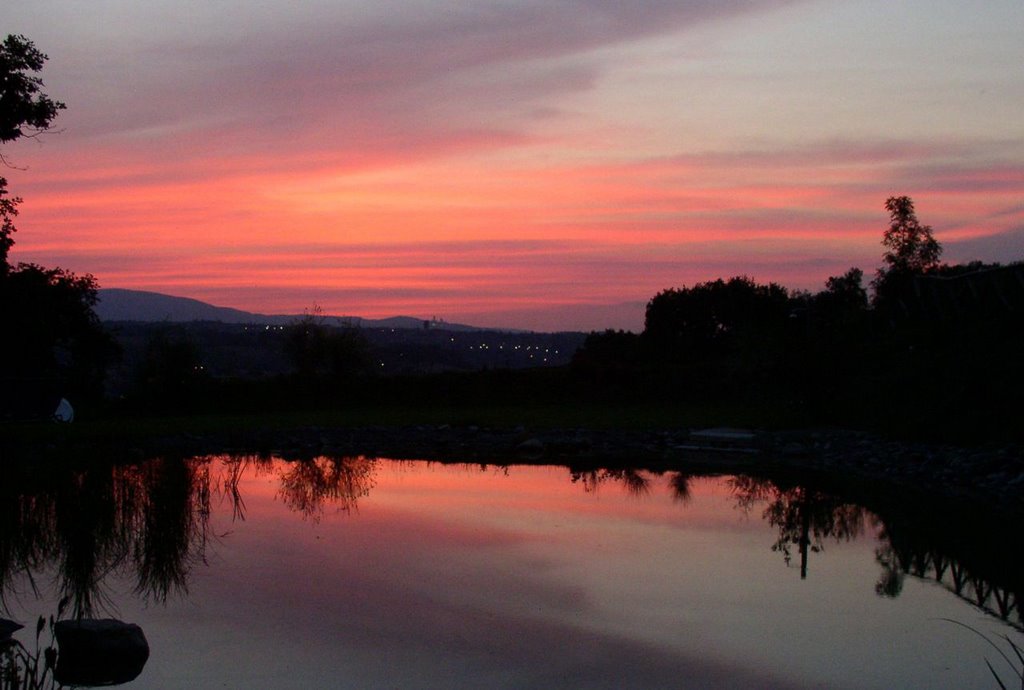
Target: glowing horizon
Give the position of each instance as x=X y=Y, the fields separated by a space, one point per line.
x=521 y=164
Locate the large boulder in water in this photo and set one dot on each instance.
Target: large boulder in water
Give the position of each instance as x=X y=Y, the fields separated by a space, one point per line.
x=99 y=652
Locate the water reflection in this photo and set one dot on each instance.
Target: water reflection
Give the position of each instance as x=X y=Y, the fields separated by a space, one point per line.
x=805 y=517
x=634 y=481
x=103 y=652
x=22 y=668
x=977 y=563
x=152 y=523
x=679 y=483
x=151 y=520
x=79 y=653
x=307 y=486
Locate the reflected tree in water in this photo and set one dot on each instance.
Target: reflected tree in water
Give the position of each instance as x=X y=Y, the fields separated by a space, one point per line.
x=25 y=538
x=226 y=482
x=150 y=521
x=175 y=517
x=92 y=520
x=890 y=580
x=679 y=483
x=962 y=553
x=634 y=481
x=806 y=518
x=308 y=485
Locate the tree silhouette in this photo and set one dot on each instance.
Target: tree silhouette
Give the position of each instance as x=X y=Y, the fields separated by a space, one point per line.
x=910 y=245
x=55 y=334
x=315 y=348
x=24 y=110
x=845 y=293
x=52 y=331
x=713 y=317
x=608 y=350
x=910 y=251
x=8 y=211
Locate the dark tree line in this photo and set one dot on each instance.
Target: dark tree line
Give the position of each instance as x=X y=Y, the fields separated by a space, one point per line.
x=316 y=349
x=936 y=348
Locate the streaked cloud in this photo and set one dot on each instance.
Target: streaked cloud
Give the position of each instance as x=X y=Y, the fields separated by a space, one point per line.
x=493 y=157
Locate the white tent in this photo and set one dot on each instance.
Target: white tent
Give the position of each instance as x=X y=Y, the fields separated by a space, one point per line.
x=64 y=412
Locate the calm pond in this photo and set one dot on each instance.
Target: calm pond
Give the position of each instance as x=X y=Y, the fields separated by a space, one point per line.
x=248 y=572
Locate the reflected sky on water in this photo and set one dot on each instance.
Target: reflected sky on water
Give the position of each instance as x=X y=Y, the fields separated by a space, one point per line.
x=374 y=573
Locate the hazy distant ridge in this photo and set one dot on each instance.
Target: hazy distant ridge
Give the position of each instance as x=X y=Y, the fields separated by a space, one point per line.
x=117 y=304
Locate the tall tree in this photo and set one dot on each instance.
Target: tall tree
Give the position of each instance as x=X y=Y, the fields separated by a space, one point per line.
x=51 y=330
x=8 y=211
x=909 y=245
x=25 y=111
x=910 y=251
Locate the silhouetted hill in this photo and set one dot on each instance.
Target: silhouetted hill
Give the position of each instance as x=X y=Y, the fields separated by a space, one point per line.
x=116 y=304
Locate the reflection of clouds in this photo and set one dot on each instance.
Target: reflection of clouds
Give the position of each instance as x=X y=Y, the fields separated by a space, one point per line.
x=448 y=596
x=484 y=576
x=529 y=651
x=397 y=563
x=397 y=559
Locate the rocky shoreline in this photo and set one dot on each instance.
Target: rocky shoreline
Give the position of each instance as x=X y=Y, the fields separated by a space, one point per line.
x=992 y=476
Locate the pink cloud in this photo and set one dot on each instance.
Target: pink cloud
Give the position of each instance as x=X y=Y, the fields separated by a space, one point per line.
x=449 y=161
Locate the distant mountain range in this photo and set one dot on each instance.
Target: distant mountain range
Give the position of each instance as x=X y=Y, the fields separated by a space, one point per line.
x=116 y=304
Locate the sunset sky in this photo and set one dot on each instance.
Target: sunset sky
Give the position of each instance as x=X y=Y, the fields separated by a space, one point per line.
x=539 y=164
